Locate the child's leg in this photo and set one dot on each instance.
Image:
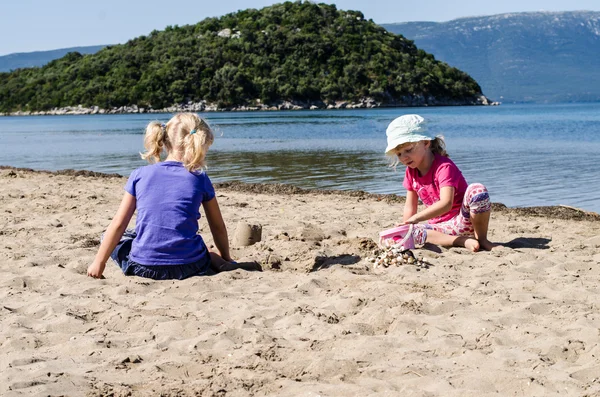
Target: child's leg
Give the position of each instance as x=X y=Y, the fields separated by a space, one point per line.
x=439 y=238
x=446 y=234
x=480 y=228
x=477 y=203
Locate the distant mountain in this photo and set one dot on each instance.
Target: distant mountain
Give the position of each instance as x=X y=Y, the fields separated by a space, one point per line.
x=40 y=58
x=521 y=57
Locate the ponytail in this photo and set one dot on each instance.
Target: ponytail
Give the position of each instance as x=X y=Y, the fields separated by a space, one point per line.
x=154 y=140
x=438 y=145
x=196 y=144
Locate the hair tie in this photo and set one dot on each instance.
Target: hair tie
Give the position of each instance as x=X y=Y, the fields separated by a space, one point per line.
x=163 y=126
x=192 y=132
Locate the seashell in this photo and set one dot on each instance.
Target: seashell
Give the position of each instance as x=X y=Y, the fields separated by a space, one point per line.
x=396 y=255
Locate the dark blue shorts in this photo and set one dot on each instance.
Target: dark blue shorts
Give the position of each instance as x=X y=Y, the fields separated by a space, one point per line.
x=157 y=272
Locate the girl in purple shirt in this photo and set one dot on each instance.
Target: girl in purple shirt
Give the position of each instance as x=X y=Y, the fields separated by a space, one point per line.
x=167 y=196
x=458 y=214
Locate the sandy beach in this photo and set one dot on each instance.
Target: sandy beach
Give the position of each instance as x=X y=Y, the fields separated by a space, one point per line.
x=319 y=320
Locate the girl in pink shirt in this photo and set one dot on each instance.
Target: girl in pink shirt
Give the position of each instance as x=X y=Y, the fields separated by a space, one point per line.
x=458 y=214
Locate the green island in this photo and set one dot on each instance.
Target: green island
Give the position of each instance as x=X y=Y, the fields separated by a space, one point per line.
x=290 y=55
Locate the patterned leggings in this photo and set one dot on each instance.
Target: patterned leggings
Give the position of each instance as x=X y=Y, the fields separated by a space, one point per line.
x=476 y=201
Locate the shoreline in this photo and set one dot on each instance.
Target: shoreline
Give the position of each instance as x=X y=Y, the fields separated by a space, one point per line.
x=552 y=212
x=203 y=106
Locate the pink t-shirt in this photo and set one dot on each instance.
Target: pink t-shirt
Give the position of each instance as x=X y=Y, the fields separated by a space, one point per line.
x=443 y=172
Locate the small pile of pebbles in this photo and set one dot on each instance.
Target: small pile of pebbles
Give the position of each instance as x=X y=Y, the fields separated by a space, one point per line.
x=396 y=256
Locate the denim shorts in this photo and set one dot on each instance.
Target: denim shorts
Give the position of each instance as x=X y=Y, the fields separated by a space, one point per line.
x=157 y=272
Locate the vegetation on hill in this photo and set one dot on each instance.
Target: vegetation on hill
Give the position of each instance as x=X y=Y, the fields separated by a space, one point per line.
x=294 y=51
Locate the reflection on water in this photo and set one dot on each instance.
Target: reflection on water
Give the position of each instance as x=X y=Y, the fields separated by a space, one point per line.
x=311 y=170
x=525 y=154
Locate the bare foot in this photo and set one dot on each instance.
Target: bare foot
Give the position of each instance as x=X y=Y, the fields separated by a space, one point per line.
x=487 y=244
x=472 y=244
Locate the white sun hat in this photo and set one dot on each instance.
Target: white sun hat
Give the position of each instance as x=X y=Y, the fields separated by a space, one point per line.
x=404 y=129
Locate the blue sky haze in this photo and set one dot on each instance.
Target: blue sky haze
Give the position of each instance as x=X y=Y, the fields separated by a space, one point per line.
x=39 y=25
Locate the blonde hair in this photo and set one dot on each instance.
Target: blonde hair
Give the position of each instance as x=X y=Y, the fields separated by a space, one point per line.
x=186 y=135
x=438 y=145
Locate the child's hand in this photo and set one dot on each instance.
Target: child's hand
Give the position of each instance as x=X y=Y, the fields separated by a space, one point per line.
x=412 y=220
x=96 y=269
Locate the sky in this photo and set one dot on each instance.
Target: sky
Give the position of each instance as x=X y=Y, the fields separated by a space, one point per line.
x=40 y=25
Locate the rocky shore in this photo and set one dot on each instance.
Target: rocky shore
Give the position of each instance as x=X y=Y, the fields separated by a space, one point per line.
x=204 y=106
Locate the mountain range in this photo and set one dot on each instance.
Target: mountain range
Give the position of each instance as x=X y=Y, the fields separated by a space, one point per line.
x=520 y=57
x=40 y=58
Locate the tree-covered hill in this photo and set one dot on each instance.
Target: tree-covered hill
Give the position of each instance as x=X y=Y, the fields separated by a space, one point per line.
x=295 y=51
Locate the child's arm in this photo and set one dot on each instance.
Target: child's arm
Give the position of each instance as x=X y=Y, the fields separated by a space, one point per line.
x=410 y=205
x=436 y=209
x=113 y=235
x=217 y=227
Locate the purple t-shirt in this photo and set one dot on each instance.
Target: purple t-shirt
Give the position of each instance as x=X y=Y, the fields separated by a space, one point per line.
x=168 y=199
x=443 y=172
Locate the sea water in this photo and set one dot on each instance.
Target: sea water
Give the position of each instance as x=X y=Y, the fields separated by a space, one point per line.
x=527 y=155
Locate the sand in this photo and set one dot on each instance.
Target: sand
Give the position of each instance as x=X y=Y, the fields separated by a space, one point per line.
x=522 y=320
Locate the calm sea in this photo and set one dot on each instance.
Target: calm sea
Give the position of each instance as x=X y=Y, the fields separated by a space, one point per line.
x=525 y=154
